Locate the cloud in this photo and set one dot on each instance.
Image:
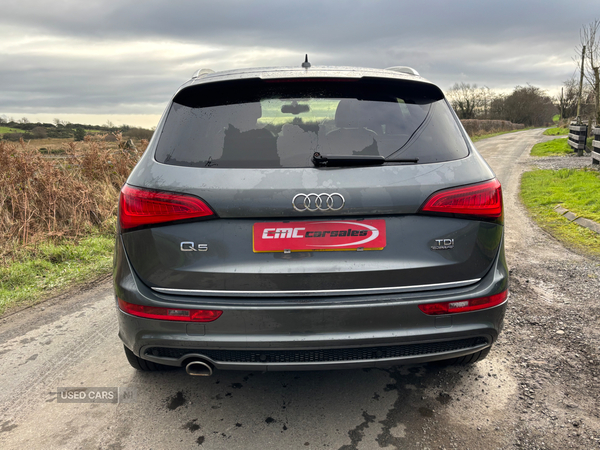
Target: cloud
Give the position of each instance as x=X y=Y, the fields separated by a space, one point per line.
x=128 y=57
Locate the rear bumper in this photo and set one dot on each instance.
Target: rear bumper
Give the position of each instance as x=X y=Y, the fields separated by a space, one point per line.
x=309 y=334
x=171 y=344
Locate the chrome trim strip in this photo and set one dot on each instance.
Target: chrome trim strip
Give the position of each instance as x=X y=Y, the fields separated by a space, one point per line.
x=323 y=292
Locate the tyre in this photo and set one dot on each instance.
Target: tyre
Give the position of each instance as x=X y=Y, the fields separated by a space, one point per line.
x=143 y=365
x=467 y=359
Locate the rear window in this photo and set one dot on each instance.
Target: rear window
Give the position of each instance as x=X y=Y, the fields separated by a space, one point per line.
x=282 y=123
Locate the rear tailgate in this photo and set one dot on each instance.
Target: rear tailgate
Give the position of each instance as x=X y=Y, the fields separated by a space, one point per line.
x=227 y=255
x=411 y=259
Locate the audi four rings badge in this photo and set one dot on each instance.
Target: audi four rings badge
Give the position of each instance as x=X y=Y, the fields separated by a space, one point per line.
x=318 y=202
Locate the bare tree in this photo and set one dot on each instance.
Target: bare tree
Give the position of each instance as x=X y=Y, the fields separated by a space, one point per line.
x=487 y=96
x=568 y=100
x=590 y=41
x=39 y=132
x=470 y=101
x=529 y=105
x=498 y=107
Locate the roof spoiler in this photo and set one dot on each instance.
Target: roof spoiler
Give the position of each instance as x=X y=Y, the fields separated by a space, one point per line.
x=202 y=72
x=404 y=69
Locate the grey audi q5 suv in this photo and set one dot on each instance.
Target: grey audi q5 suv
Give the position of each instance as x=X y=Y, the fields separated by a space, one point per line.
x=309 y=218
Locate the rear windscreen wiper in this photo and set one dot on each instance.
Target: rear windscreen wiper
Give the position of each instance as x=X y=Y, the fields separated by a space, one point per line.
x=355 y=160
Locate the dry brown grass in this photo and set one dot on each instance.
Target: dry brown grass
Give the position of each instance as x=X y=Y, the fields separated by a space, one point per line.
x=65 y=197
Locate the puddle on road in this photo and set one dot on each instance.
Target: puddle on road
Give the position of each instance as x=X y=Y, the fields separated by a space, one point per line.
x=176 y=401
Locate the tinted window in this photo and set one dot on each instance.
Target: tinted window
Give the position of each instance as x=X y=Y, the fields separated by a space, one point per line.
x=255 y=123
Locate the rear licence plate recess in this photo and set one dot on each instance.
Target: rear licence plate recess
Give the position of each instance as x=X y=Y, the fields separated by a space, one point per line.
x=324 y=235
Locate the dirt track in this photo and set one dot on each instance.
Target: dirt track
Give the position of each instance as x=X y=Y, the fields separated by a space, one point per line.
x=539 y=388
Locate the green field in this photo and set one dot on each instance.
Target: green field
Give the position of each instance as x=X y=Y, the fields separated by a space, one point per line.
x=4 y=130
x=556 y=147
x=575 y=190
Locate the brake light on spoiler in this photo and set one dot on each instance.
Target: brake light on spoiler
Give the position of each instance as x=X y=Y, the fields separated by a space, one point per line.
x=141 y=207
x=479 y=201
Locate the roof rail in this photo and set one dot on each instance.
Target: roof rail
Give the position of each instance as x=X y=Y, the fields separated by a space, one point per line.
x=404 y=69
x=202 y=72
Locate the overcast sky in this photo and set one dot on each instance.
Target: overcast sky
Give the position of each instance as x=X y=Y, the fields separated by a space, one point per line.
x=93 y=61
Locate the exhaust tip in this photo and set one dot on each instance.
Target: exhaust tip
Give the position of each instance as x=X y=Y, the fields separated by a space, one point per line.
x=199 y=369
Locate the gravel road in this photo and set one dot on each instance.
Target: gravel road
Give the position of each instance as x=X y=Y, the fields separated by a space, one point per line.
x=538 y=389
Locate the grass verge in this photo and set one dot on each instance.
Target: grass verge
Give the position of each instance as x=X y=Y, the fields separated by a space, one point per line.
x=556 y=147
x=37 y=272
x=542 y=190
x=556 y=131
x=485 y=136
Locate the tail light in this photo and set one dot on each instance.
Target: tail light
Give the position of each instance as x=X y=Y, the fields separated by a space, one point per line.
x=460 y=306
x=483 y=201
x=181 y=315
x=140 y=207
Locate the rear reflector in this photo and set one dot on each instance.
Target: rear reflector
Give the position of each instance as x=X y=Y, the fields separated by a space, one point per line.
x=460 y=306
x=139 y=207
x=479 y=201
x=181 y=315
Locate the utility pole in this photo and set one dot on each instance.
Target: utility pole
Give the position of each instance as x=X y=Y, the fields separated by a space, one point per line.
x=597 y=83
x=562 y=103
x=580 y=86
